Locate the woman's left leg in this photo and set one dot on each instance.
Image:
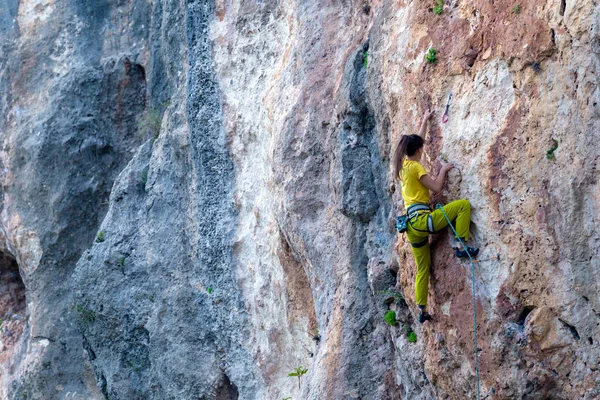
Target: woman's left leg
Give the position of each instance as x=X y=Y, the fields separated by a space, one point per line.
x=459 y=210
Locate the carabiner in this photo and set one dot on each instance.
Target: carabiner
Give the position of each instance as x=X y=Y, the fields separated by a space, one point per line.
x=445 y=116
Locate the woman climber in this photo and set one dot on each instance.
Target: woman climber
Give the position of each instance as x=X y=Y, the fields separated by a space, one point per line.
x=416 y=184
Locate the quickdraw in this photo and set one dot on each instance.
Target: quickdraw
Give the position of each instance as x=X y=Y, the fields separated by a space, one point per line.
x=445 y=116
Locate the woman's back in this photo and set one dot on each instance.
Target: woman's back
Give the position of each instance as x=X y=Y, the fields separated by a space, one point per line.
x=413 y=190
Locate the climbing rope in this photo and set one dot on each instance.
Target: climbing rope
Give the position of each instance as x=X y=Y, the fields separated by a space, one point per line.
x=439 y=207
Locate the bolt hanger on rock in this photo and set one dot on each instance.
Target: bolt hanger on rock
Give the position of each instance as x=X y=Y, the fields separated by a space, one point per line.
x=495 y=258
x=489 y=393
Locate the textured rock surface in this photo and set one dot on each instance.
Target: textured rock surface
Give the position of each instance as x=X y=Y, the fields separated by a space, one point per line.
x=197 y=198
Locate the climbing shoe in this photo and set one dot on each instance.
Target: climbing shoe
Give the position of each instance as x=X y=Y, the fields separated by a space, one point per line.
x=424 y=316
x=463 y=253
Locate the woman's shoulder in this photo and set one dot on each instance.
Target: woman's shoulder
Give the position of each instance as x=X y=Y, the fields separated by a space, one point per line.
x=413 y=168
x=409 y=164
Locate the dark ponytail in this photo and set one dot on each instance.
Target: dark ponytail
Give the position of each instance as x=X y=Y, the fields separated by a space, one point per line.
x=407 y=146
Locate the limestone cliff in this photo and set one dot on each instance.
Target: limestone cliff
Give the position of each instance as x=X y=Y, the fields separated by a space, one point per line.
x=197 y=198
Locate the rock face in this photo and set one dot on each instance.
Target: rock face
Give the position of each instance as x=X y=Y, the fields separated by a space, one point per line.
x=197 y=198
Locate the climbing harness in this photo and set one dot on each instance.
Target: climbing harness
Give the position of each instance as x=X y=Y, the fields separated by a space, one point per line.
x=402 y=221
x=439 y=207
x=417 y=207
x=413 y=212
x=445 y=116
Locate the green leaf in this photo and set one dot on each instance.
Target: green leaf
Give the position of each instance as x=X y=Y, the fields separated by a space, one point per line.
x=299 y=371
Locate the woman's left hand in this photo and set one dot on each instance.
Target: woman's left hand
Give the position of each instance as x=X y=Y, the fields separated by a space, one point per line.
x=427 y=115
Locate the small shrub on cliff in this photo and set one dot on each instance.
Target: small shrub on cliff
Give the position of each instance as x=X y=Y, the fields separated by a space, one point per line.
x=144 y=177
x=316 y=335
x=517 y=9
x=439 y=9
x=365 y=58
x=150 y=122
x=100 y=237
x=85 y=314
x=398 y=297
x=412 y=337
x=366 y=7
x=430 y=57
x=299 y=371
x=390 y=318
x=550 y=152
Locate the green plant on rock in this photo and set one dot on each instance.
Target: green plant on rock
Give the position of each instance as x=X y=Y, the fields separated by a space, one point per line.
x=288 y=398
x=209 y=290
x=430 y=57
x=150 y=122
x=85 y=314
x=365 y=58
x=550 y=152
x=398 y=297
x=316 y=335
x=100 y=237
x=439 y=9
x=366 y=7
x=517 y=9
x=144 y=177
x=121 y=264
x=390 y=318
x=299 y=371
x=412 y=337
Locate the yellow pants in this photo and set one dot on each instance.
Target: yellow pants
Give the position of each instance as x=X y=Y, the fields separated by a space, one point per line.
x=459 y=211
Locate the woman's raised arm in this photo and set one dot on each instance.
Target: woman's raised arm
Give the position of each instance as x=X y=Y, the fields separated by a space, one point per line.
x=422 y=130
